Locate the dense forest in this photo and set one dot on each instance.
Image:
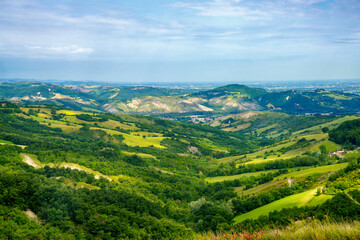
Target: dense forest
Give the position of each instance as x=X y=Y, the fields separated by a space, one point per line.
x=347 y=133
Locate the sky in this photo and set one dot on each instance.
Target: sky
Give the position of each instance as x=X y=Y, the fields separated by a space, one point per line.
x=180 y=40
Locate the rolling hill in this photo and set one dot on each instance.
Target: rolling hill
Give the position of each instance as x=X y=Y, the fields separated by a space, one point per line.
x=75 y=174
x=149 y=100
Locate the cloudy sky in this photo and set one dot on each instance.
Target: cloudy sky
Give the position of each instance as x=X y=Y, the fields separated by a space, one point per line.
x=180 y=40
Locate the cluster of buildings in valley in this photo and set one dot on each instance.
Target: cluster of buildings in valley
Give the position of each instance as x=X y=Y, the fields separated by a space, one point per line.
x=192 y=119
x=322 y=114
x=196 y=119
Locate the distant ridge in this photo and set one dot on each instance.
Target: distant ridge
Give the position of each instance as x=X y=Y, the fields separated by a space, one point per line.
x=231 y=98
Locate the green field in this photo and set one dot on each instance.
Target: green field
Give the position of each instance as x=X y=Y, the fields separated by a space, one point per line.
x=302 y=174
x=315 y=170
x=67 y=128
x=5 y=142
x=257 y=153
x=330 y=146
x=70 y=112
x=73 y=124
x=296 y=200
x=308 y=133
x=330 y=125
x=132 y=140
x=261 y=130
x=233 y=177
x=143 y=155
x=258 y=156
x=143 y=142
x=252 y=174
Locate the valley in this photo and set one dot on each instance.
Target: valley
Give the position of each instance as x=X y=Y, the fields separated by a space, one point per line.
x=91 y=173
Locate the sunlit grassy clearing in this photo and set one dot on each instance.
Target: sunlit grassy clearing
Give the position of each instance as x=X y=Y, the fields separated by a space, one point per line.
x=71 y=117
x=318 y=136
x=143 y=155
x=338 y=96
x=69 y=112
x=330 y=146
x=210 y=144
x=57 y=124
x=254 y=174
x=129 y=139
x=308 y=171
x=256 y=157
x=319 y=200
x=78 y=185
x=296 y=200
x=146 y=134
x=66 y=128
x=113 y=124
x=258 y=189
x=74 y=119
x=315 y=170
x=237 y=128
x=287 y=155
x=272 y=158
x=137 y=140
x=233 y=177
x=261 y=130
x=6 y=142
x=143 y=142
x=330 y=125
x=255 y=154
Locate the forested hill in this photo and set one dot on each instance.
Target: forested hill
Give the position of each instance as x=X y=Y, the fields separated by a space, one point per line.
x=149 y=100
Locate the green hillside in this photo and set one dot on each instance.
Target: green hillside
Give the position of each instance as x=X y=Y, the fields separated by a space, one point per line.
x=74 y=174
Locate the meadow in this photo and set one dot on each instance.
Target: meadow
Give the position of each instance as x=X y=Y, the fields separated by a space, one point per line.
x=295 y=175
x=296 y=200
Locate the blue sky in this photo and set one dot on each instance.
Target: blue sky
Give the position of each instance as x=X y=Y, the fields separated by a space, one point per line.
x=180 y=40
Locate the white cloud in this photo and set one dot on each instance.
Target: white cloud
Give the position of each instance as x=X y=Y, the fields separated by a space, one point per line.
x=306 y=2
x=222 y=8
x=72 y=49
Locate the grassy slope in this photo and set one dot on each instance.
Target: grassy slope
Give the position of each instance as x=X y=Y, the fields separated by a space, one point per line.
x=243 y=175
x=330 y=125
x=73 y=124
x=309 y=133
x=297 y=175
x=316 y=170
x=296 y=200
x=306 y=229
x=5 y=142
x=330 y=146
x=132 y=140
x=233 y=177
